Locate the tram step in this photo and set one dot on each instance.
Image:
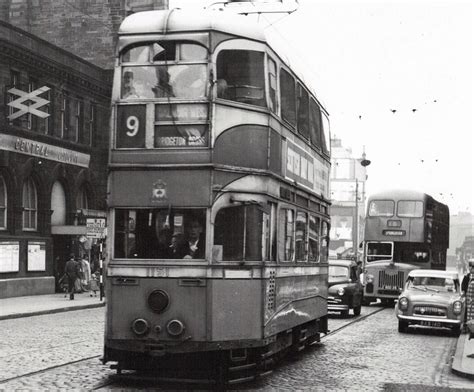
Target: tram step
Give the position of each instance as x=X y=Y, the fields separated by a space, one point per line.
x=240 y=380
x=242 y=367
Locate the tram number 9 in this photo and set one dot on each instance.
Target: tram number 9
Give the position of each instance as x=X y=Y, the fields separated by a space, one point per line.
x=133 y=125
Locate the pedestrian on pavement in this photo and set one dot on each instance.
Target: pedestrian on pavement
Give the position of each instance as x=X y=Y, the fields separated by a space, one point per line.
x=467 y=278
x=72 y=273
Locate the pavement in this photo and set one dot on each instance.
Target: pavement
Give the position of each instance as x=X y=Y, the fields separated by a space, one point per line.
x=16 y=307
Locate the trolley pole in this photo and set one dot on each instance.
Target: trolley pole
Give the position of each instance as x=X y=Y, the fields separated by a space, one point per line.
x=356 y=245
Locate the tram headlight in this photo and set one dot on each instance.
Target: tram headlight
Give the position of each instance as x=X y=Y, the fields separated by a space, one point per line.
x=340 y=291
x=370 y=278
x=403 y=303
x=140 y=327
x=457 y=307
x=175 y=327
x=158 y=301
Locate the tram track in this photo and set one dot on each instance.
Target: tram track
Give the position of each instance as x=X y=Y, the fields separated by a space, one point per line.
x=113 y=378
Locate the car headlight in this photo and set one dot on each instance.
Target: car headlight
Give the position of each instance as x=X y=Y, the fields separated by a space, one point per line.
x=457 y=307
x=403 y=303
x=340 y=291
x=370 y=278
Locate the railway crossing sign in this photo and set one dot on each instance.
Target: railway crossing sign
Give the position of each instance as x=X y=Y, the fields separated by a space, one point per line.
x=28 y=102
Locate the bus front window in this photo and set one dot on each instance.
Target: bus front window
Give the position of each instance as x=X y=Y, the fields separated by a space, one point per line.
x=160 y=233
x=379 y=251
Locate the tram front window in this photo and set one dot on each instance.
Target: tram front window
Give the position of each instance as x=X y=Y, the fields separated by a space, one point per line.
x=160 y=233
x=238 y=232
x=241 y=77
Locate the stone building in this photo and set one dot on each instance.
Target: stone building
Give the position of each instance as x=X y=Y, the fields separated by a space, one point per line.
x=54 y=129
x=86 y=28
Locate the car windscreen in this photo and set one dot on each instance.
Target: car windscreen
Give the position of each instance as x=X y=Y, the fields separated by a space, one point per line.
x=338 y=273
x=432 y=283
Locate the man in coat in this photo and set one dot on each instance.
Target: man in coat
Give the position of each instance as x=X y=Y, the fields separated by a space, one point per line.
x=72 y=272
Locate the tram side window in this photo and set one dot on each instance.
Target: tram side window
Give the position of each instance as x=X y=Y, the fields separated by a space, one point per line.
x=301 y=235
x=240 y=76
x=303 y=112
x=238 y=232
x=286 y=231
x=315 y=123
x=313 y=250
x=160 y=233
x=324 y=241
x=287 y=97
x=381 y=208
x=272 y=83
x=326 y=135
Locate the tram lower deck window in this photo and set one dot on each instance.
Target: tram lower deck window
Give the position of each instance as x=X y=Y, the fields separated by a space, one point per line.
x=160 y=233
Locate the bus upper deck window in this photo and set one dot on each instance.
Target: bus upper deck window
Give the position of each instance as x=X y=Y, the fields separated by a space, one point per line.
x=136 y=54
x=381 y=208
x=410 y=209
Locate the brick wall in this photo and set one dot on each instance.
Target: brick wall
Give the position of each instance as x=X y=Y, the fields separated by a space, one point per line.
x=86 y=28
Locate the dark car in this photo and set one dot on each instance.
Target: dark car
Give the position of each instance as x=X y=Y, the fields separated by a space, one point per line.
x=345 y=289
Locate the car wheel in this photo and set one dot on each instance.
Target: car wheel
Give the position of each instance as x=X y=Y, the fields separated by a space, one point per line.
x=402 y=326
x=357 y=310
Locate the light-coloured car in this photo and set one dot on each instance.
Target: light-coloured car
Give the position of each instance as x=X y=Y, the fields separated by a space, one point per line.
x=431 y=298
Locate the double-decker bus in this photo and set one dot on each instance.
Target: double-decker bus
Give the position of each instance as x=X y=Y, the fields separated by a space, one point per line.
x=404 y=230
x=218 y=199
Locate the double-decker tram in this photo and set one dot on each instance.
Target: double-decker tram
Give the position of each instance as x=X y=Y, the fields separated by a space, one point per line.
x=218 y=200
x=404 y=230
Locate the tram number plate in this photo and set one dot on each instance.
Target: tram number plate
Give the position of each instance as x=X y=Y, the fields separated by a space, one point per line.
x=160 y=271
x=430 y=324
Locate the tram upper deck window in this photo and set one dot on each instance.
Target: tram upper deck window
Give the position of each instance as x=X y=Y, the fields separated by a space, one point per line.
x=166 y=69
x=303 y=112
x=238 y=233
x=325 y=136
x=160 y=233
x=410 y=209
x=381 y=208
x=315 y=123
x=240 y=76
x=287 y=97
x=272 y=83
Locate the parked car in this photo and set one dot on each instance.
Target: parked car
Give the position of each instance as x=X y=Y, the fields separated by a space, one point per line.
x=431 y=298
x=345 y=289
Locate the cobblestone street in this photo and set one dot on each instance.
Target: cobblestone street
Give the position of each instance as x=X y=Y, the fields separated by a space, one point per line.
x=365 y=355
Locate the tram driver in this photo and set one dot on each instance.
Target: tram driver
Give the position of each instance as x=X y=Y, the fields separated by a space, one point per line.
x=194 y=246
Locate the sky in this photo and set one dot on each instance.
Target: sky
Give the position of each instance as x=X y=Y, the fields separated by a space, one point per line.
x=397 y=80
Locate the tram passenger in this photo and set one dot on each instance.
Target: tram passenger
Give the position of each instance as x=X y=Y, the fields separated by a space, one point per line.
x=194 y=246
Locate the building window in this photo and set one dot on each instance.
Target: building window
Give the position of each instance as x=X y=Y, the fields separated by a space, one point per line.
x=3 y=203
x=30 y=208
x=32 y=121
x=46 y=123
x=92 y=123
x=65 y=112
x=82 y=200
x=14 y=82
x=79 y=122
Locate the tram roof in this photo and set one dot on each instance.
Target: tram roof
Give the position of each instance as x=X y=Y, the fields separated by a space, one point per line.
x=185 y=21
x=180 y=21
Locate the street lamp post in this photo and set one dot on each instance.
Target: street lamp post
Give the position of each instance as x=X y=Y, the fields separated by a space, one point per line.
x=364 y=162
